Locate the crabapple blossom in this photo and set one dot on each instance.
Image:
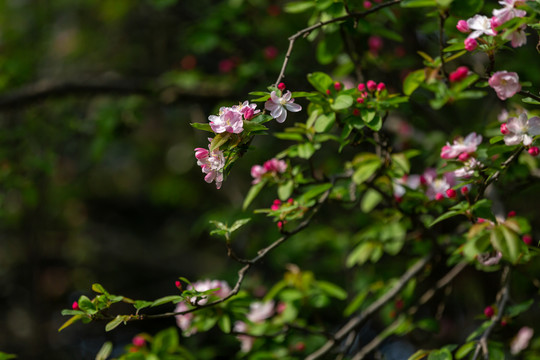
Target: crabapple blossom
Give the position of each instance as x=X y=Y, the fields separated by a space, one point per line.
x=211 y=163
x=361 y=87
x=521 y=130
x=272 y=166
x=480 y=25
x=509 y=11
x=518 y=37
x=504 y=129
x=506 y=84
x=278 y=106
x=521 y=340
x=436 y=188
x=258 y=312
x=227 y=121
x=461 y=146
x=470 y=44
x=381 y=86
x=138 y=341
x=462 y=26
x=184 y=321
x=459 y=74
x=468 y=168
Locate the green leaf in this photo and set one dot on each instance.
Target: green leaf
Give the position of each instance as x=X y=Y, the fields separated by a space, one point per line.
x=99 y=289
x=250 y=126
x=167 y=299
x=219 y=140
x=496 y=139
x=529 y=100
x=370 y=200
x=314 y=191
x=332 y=290
x=320 y=81
x=238 y=224
x=366 y=169
x=442 y=354
x=515 y=310
x=507 y=242
x=285 y=190
x=325 y=122
x=141 y=304
x=224 y=323
x=465 y=349
x=201 y=126
x=445 y=216
x=105 y=351
x=356 y=303
x=428 y=324
x=306 y=150
x=298 y=6
x=413 y=80
x=329 y=47
x=86 y=305
x=289 y=136
x=342 y=102
x=252 y=193
x=418 y=3
x=165 y=342
x=360 y=254
x=420 y=354
x=115 y=322
x=70 y=321
x=5 y=356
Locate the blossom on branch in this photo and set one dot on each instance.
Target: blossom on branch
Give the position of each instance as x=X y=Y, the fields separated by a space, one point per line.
x=506 y=84
x=509 y=11
x=520 y=130
x=278 y=106
x=211 y=163
x=258 y=312
x=480 y=25
x=271 y=167
x=461 y=146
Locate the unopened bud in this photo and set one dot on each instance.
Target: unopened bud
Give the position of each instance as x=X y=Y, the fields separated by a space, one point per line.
x=489 y=312
x=534 y=151
x=527 y=239
x=361 y=87
x=337 y=85
x=451 y=193
x=504 y=129
x=439 y=196
x=371 y=85
x=464 y=190
x=75 y=306
x=281 y=86
x=511 y=214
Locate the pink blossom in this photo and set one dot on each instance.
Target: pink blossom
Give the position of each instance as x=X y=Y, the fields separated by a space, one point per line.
x=138 y=341
x=470 y=44
x=272 y=166
x=278 y=106
x=257 y=171
x=480 y=25
x=459 y=74
x=468 y=168
x=518 y=37
x=228 y=120
x=506 y=84
x=436 y=188
x=211 y=164
x=521 y=340
x=462 y=26
x=521 y=130
x=509 y=11
x=381 y=86
x=184 y=321
x=460 y=146
x=258 y=312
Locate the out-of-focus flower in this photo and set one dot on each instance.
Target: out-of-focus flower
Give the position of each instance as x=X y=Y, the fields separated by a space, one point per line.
x=138 y=341
x=375 y=44
x=459 y=74
x=506 y=84
x=470 y=44
x=272 y=166
x=468 y=168
x=270 y=52
x=460 y=146
x=480 y=25
x=518 y=37
x=371 y=85
x=184 y=321
x=278 y=106
x=258 y=312
x=521 y=340
x=521 y=130
x=509 y=10
x=534 y=151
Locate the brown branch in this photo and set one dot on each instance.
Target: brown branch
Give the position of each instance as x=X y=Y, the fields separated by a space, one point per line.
x=428 y=295
x=529 y=94
x=502 y=297
x=376 y=306
x=306 y=31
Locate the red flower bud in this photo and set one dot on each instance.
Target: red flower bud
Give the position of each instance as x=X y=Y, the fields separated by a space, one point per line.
x=178 y=284
x=464 y=190
x=360 y=100
x=337 y=85
x=281 y=86
x=367 y=4
x=489 y=312
x=504 y=129
x=451 y=193
x=371 y=85
x=511 y=214
x=138 y=341
x=328 y=92
x=381 y=86
x=527 y=239
x=534 y=151
x=439 y=196
x=361 y=87
x=75 y=306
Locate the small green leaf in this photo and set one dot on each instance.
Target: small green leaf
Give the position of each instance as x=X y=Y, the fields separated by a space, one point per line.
x=365 y=170
x=115 y=322
x=105 y=351
x=167 y=299
x=219 y=140
x=320 y=81
x=507 y=242
x=70 y=321
x=285 y=190
x=238 y=224
x=342 y=102
x=529 y=100
x=224 y=323
x=314 y=191
x=442 y=354
x=306 y=150
x=370 y=200
x=496 y=139
x=332 y=290
x=325 y=122
x=298 y=6
x=99 y=289
x=141 y=304
x=445 y=216
x=413 y=80
x=418 y=3
x=465 y=349
x=250 y=126
x=252 y=193
x=201 y=126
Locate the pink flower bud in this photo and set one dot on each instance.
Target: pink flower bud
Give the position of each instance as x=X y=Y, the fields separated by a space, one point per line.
x=360 y=100
x=494 y=22
x=464 y=190
x=178 y=284
x=361 y=87
x=138 y=341
x=423 y=180
x=280 y=225
x=463 y=26
x=248 y=113
x=201 y=153
x=328 y=92
x=463 y=157
x=458 y=75
x=356 y=112
x=534 y=151
x=511 y=214
x=371 y=85
x=481 y=220
x=75 y=306
x=375 y=44
x=300 y=346
x=367 y=4
x=439 y=196
x=398 y=199
x=381 y=86
x=470 y=44
x=290 y=201
x=504 y=129
x=281 y=86
x=527 y=239
x=337 y=85
x=451 y=193
x=281 y=306
x=270 y=52
x=489 y=312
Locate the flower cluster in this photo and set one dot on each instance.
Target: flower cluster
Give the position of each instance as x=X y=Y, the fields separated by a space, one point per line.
x=462 y=148
x=258 y=312
x=520 y=130
x=435 y=187
x=184 y=321
x=270 y=168
x=231 y=119
x=211 y=163
x=480 y=25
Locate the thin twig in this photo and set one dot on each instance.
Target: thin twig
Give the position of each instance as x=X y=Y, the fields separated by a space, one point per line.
x=376 y=306
x=443 y=282
x=305 y=31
